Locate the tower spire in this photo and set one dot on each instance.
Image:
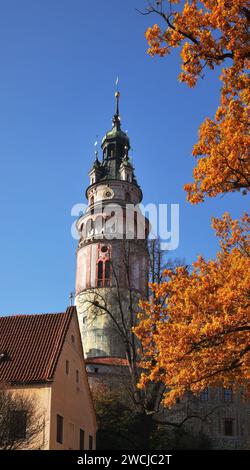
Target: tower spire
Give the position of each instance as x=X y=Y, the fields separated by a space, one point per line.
x=116 y=117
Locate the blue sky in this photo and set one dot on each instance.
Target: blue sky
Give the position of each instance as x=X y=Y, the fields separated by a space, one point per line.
x=59 y=60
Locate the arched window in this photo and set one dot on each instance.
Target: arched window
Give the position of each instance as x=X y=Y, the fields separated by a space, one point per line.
x=91 y=200
x=98 y=225
x=81 y=230
x=135 y=224
x=100 y=274
x=110 y=224
x=89 y=228
x=113 y=227
x=104 y=273
x=107 y=274
x=111 y=149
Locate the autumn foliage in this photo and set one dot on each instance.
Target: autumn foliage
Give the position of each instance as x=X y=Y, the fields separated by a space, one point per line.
x=195 y=329
x=210 y=33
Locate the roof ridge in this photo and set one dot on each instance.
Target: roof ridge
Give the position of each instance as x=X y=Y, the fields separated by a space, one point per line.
x=14 y=315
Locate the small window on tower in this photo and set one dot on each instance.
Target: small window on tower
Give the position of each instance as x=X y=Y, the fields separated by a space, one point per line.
x=103 y=273
x=90 y=227
x=98 y=225
x=127 y=197
x=111 y=148
x=100 y=274
x=107 y=274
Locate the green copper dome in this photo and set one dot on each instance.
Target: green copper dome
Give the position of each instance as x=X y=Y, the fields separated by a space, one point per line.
x=115 y=146
x=116 y=134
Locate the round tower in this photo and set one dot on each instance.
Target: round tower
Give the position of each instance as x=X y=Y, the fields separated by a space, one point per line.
x=112 y=254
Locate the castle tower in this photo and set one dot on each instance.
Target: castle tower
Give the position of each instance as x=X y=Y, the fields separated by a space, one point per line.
x=112 y=256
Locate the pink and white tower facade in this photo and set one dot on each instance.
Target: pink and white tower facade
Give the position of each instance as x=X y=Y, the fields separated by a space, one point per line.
x=112 y=256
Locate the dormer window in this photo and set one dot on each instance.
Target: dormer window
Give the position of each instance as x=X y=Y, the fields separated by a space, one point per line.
x=4 y=356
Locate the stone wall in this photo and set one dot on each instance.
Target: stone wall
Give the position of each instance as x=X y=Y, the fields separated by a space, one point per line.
x=211 y=411
x=100 y=335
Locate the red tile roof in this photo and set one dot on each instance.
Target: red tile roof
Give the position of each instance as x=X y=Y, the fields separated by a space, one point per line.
x=111 y=361
x=32 y=344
